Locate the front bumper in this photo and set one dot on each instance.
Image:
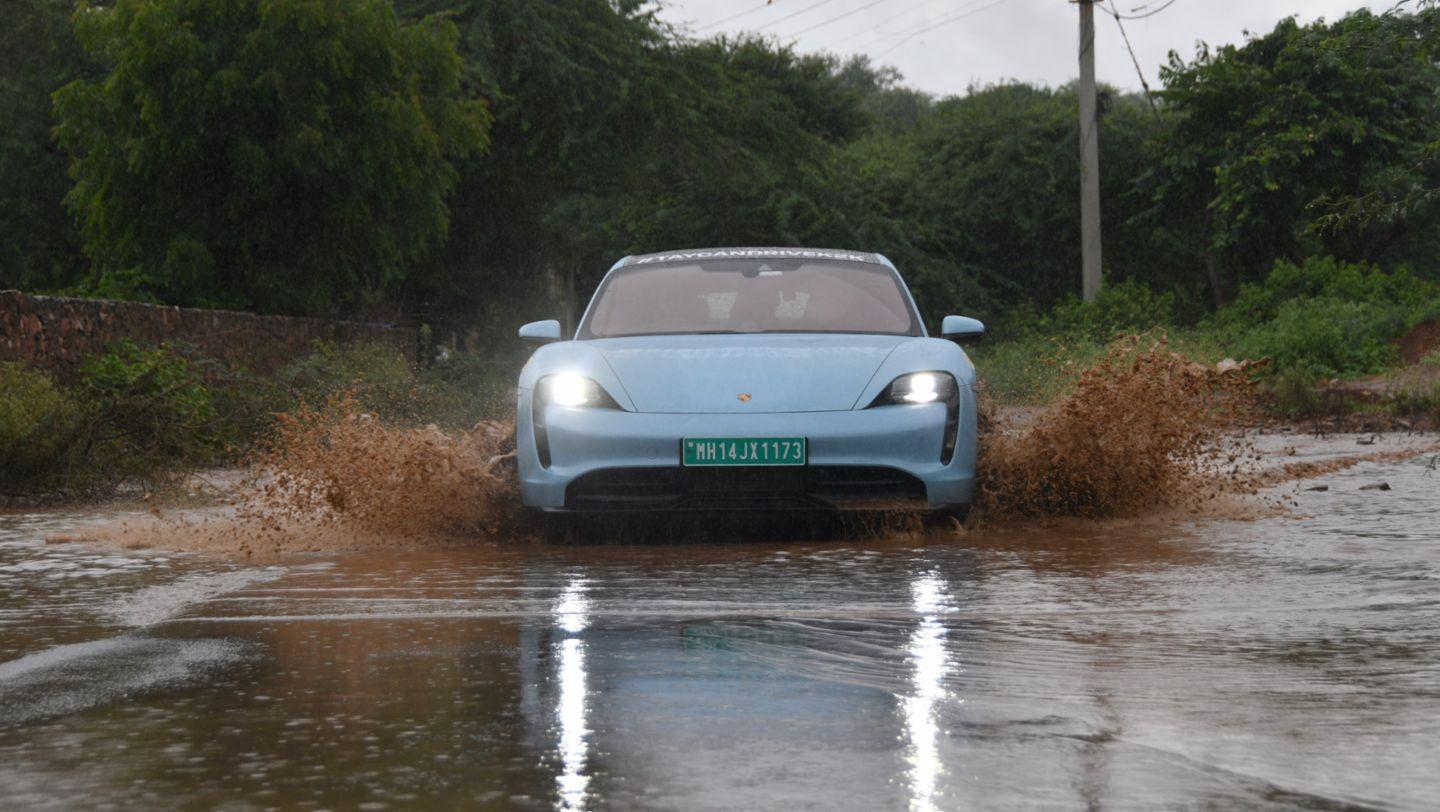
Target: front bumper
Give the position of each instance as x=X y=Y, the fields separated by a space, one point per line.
x=863 y=459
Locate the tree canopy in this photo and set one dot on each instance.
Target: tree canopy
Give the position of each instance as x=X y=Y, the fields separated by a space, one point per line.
x=1308 y=139
x=287 y=155
x=477 y=162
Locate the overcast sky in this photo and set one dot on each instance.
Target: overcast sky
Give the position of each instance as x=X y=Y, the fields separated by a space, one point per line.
x=995 y=40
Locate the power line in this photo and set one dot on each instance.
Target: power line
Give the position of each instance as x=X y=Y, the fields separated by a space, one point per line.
x=747 y=11
x=929 y=28
x=794 y=14
x=884 y=35
x=1117 y=15
x=1138 y=72
x=836 y=18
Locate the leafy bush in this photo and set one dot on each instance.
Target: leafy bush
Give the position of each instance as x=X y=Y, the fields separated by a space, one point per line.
x=245 y=404
x=377 y=377
x=1329 y=278
x=148 y=413
x=1327 y=318
x=1034 y=371
x=464 y=389
x=1128 y=307
x=134 y=415
x=1327 y=337
x=1031 y=371
x=37 y=423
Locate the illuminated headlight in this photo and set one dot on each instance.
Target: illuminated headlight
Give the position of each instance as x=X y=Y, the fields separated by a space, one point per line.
x=917 y=388
x=567 y=390
x=572 y=390
x=922 y=387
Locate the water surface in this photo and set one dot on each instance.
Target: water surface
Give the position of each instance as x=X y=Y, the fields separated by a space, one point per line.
x=1286 y=663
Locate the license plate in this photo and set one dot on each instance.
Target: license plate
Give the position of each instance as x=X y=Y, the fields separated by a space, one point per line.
x=742 y=451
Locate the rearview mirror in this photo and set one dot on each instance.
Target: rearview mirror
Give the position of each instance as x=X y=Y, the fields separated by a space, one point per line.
x=962 y=329
x=541 y=331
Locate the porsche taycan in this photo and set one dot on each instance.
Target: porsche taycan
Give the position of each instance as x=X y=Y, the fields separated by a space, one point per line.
x=736 y=379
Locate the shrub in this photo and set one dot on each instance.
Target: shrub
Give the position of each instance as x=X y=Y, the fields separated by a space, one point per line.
x=1327 y=337
x=37 y=424
x=464 y=389
x=148 y=412
x=1327 y=318
x=245 y=404
x=1128 y=307
x=1329 y=278
x=377 y=376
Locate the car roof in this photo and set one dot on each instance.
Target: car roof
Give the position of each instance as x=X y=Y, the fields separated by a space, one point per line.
x=755 y=252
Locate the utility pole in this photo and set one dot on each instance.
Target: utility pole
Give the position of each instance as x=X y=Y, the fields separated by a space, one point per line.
x=1089 y=157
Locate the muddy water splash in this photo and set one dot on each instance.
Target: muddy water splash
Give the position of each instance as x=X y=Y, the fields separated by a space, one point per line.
x=342 y=468
x=345 y=465
x=336 y=478
x=1145 y=428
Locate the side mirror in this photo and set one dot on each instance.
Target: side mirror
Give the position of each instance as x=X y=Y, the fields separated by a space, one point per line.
x=962 y=329
x=542 y=332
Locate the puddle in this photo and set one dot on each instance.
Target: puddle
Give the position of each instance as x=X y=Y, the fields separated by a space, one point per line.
x=1283 y=661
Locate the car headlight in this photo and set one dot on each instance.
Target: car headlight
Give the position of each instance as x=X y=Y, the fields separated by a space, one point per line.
x=918 y=388
x=569 y=389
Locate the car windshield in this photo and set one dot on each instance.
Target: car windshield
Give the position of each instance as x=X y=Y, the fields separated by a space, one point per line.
x=759 y=295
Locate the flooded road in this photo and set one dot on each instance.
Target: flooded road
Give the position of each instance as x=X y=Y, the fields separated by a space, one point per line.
x=1281 y=663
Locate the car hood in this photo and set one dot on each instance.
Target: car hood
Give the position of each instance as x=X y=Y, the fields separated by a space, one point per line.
x=713 y=373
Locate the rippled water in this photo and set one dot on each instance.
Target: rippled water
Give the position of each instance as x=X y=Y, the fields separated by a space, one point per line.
x=1281 y=663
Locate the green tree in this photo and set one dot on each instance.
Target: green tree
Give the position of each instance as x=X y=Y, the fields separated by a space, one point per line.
x=39 y=247
x=573 y=87
x=1306 y=139
x=979 y=203
x=286 y=155
x=891 y=104
x=614 y=135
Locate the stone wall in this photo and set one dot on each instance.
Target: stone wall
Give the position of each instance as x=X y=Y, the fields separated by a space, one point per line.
x=56 y=334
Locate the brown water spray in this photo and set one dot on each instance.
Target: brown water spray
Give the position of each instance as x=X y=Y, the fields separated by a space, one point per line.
x=339 y=466
x=1145 y=428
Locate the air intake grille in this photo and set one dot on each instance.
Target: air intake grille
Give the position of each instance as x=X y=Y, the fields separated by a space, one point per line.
x=816 y=487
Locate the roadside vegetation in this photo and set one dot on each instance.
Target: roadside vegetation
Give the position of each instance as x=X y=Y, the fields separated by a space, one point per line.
x=1327 y=331
x=146 y=417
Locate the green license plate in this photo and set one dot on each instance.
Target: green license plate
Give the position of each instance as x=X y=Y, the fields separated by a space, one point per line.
x=742 y=451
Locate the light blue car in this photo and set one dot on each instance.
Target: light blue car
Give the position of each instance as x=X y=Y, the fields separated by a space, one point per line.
x=748 y=378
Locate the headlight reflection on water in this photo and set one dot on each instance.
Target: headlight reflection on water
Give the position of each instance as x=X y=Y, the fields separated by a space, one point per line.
x=571 y=617
x=929 y=667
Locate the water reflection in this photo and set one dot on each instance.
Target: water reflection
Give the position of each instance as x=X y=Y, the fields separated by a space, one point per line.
x=571 y=617
x=929 y=667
